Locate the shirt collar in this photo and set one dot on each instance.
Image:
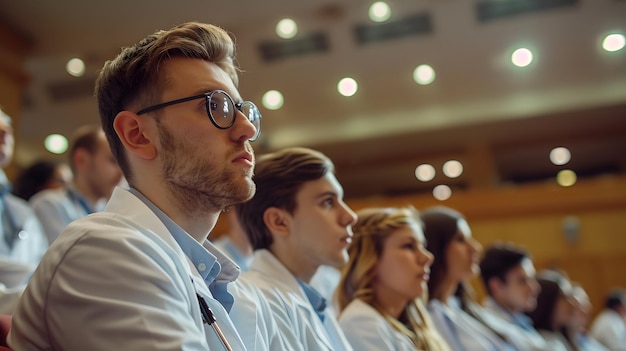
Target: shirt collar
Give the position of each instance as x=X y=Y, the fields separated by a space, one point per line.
x=5 y=185
x=215 y=268
x=315 y=299
x=205 y=262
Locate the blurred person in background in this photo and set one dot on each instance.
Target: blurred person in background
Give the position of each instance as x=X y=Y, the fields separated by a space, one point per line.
x=41 y=175
x=609 y=327
x=555 y=308
x=235 y=242
x=383 y=284
x=576 y=331
x=23 y=242
x=508 y=274
x=457 y=316
x=96 y=174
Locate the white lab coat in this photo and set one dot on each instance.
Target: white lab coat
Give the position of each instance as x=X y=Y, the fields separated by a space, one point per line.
x=18 y=261
x=253 y=318
x=117 y=280
x=367 y=330
x=609 y=328
x=301 y=328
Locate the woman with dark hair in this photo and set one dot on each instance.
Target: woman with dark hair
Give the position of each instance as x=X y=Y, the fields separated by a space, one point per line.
x=39 y=176
x=555 y=307
x=451 y=307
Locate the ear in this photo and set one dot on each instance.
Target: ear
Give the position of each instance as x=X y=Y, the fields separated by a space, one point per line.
x=495 y=285
x=277 y=221
x=133 y=132
x=80 y=158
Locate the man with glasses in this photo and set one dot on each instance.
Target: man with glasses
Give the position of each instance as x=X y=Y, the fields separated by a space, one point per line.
x=142 y=275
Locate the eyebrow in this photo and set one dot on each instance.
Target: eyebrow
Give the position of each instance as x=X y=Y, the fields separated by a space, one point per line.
x=328 y=193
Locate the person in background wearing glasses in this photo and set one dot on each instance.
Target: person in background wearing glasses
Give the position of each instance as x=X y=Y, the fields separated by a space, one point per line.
x=141 y=275
x=22 y=241
x=296 y=221
x=95 y=175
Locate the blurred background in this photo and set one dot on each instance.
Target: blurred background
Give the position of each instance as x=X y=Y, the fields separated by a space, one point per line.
x=512 y=111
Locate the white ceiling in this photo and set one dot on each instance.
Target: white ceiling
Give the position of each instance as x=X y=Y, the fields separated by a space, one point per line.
x=391 y=123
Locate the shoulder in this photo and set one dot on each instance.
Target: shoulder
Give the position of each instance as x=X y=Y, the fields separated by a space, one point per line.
x=17 y=203
x=366 y=329
x=49 y=196
x=361 y=315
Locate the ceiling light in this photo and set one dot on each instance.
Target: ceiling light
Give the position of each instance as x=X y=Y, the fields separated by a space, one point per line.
x=424 y=74
x=442 y=192
x=425 y=172
x=522 y=57
x=273 y=100
x=75 y=67
x=56 y=143
x=566 y=178
x=452 y=169
x=613 y=42
x=560 y=156
x=347 y=87
x=379 y=11
x=286 y=28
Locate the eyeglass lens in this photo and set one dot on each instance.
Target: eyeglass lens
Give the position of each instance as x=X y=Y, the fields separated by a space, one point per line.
x=223 y=111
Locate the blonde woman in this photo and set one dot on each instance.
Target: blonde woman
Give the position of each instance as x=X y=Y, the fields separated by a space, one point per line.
x=381 y=286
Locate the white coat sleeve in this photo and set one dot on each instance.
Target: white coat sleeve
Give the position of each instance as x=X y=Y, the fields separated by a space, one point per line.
x=112 y=290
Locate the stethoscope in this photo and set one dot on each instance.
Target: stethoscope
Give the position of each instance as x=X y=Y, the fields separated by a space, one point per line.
x=209 y=318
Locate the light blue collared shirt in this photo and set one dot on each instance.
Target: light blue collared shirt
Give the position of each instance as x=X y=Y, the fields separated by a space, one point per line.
x=315 y=298
x=206 y=262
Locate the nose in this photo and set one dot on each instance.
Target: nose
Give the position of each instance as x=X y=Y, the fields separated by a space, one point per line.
x=426 y=257
x=534 y=285
x=476 y=246
x=349 y=217
x=243 y=130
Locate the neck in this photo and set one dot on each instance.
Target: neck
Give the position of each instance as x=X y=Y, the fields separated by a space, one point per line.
x=242 y=244
x=85 y=190
x=196 y=223
x=503 y=305
x=448 y=288
x=390 y=302
x=294 y=262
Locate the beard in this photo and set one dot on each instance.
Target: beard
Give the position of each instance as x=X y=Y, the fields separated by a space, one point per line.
x=199 y=185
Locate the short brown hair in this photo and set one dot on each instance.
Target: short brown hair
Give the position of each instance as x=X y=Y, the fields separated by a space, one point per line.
x=86 y=138
x=278 y=177
x=134 y=79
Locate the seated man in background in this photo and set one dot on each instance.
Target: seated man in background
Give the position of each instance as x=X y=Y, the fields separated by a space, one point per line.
x=235 y=242
x=22 y=241
x=609 y=327
x=95 y=175
x=508 y=274
x=297 y=221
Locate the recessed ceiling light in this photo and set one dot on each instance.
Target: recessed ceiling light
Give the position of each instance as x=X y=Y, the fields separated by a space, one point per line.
x=286 y=28
x=75 y=67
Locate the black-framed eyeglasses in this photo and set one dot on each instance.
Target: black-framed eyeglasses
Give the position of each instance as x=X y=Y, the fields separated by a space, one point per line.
x=220 y=108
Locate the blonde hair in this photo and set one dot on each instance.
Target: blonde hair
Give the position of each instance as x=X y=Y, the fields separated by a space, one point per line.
x=373 y=228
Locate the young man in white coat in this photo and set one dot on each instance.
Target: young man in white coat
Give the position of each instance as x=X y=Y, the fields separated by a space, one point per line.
x=95 y=175
x=141 y=275
x=297 y=221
